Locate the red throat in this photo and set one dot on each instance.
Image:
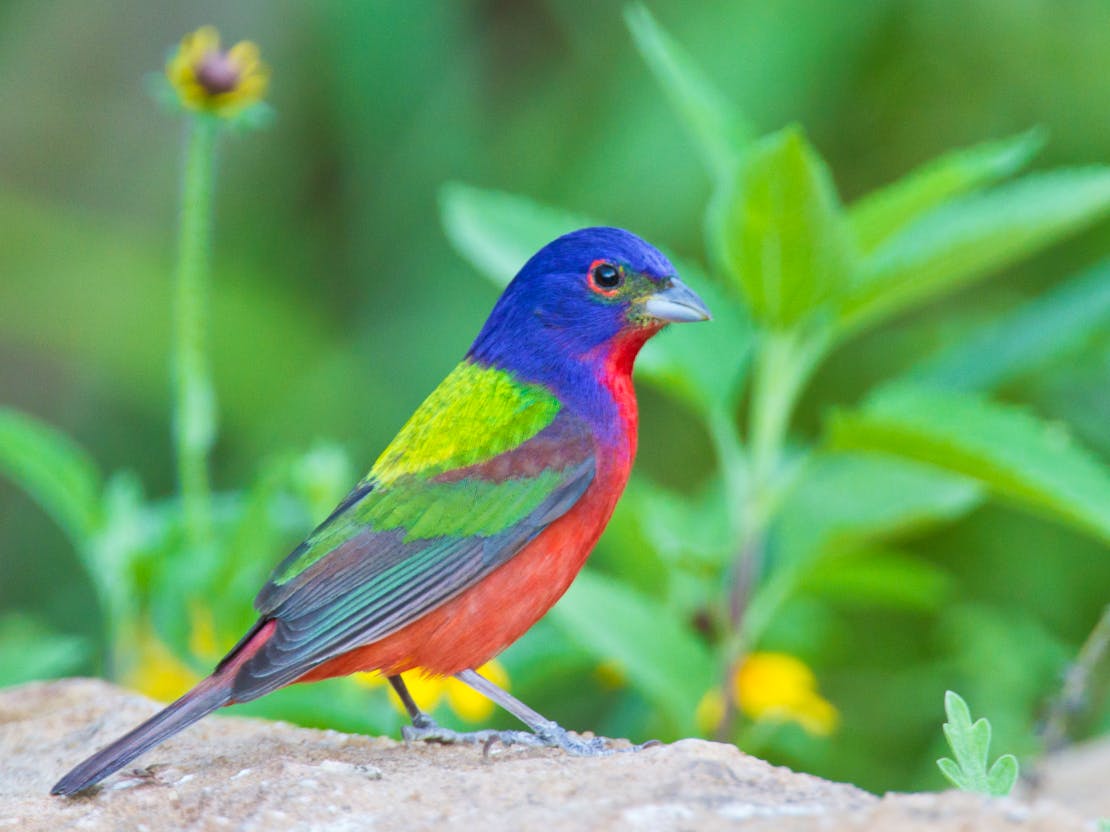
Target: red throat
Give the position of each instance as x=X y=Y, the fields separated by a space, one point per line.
x=624 y=349
x=616 y=375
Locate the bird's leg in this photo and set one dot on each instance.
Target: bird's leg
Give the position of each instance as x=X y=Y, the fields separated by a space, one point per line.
x=544 y=731
x=418 y=717
x=427 y=729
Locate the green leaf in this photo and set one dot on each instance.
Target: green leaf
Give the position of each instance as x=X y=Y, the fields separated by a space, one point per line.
x=714 y=124
x=845 y=499
x=690 y=529
x=663 y=657
x=1031 y=336
x=970 y=743
x=1003 y=775
x=967 y=239
x=979 y=741
x=887 y=210
x=28 y=651
x=1010 y=451
x=780 y=231
x=54 y=471
x=878 y=579
x=952 y=771
x=497 y=232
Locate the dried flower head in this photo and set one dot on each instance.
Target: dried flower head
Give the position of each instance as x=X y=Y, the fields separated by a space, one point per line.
x=208 y=79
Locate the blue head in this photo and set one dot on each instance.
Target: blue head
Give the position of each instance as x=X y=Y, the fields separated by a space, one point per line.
x=579 y=301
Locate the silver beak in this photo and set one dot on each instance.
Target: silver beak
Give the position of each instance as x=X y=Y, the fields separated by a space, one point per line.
x=676 y=304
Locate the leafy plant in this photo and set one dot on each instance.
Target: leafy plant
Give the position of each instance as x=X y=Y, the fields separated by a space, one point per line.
x=174 y=576
x=970 y=744
x=786 y=530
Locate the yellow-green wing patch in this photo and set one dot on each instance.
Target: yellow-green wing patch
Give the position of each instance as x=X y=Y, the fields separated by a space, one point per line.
x=475 y=414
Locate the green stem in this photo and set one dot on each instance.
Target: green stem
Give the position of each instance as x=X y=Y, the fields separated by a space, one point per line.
x=194 y=401
x=731 y=461
x=783 y=364
x=775 y=388
x=785 y=361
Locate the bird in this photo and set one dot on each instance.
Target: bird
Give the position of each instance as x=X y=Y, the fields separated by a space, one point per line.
x=476 y=517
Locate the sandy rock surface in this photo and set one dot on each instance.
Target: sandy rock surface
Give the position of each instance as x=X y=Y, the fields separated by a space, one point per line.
x=1078 y=778
x=230 y=773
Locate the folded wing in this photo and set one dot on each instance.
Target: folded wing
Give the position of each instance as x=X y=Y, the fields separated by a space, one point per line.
x=402 y=544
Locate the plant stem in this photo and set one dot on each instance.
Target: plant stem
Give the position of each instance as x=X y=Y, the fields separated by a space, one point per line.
x=194 y=400
x=731 y=460
x=782 y=366
x=783 y=363
x=1073 y=695
x=774 y=389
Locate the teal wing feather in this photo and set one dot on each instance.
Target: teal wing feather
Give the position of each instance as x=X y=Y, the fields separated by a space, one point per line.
x=391 y=553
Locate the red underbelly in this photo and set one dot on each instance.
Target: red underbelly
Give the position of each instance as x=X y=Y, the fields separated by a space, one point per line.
x=476 y=625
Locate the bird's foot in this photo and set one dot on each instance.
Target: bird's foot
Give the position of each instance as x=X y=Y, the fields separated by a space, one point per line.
x=426 y=729
x=554 y=735
x=550 y=735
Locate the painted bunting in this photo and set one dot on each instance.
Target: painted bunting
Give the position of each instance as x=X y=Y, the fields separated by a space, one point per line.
x=477 y=516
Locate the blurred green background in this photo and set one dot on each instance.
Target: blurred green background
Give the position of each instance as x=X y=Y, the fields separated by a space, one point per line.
x=337 y=302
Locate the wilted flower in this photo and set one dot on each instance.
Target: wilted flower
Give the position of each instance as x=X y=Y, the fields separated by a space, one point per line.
x=208 y=79
x=779 y=687
x=429 y=691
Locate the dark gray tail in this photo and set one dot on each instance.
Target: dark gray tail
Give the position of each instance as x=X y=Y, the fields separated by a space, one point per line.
x=212 y=693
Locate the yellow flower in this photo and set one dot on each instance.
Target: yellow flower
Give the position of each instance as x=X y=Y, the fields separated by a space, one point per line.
x=157 y=672
x=429 y=691
x=210 y=80
x=777 y=687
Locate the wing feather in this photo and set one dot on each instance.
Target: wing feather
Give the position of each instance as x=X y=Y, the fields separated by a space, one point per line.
x=394 y=553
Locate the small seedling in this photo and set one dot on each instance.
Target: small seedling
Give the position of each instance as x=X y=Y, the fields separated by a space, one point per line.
x=970 y=744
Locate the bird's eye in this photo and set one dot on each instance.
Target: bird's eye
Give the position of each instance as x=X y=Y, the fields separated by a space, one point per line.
x=605 y=278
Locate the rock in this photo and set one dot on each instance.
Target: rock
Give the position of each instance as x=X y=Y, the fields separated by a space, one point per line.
x=1077 y=777
x=245 y=774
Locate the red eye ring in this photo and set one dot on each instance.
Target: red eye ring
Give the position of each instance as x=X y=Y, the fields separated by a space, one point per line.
x=605 y=278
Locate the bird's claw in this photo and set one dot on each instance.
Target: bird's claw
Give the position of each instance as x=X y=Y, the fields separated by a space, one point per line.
x=430 y=731
x=554 y=735
x=551 y=735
